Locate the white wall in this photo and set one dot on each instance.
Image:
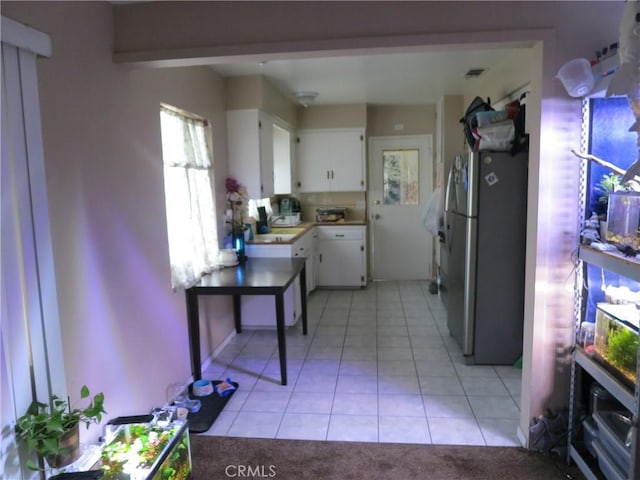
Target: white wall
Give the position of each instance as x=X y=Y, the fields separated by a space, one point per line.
x=124 y=329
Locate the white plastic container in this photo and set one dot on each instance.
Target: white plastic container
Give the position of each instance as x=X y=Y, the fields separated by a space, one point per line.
x=577 y=77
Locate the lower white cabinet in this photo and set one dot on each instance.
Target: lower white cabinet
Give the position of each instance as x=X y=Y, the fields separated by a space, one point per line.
x=304 y=248
x=342 y=256
x=259 y=310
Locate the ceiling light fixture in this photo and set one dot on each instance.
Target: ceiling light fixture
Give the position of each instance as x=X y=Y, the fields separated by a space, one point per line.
x=306 y=98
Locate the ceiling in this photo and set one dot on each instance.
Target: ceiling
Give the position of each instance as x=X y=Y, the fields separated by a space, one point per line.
x=405 y=78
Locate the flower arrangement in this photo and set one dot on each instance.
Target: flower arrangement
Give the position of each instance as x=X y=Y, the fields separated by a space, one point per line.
x=238 y=201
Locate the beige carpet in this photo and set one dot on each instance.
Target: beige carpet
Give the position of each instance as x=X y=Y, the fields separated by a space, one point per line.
x=224 y=457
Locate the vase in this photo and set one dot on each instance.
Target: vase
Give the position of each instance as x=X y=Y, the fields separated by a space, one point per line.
x=70 y=441
x=239 y=243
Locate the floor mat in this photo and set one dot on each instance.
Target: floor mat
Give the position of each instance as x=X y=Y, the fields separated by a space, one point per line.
x=212 y=405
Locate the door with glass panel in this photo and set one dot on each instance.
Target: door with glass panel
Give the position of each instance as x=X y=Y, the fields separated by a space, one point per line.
x=400 y=185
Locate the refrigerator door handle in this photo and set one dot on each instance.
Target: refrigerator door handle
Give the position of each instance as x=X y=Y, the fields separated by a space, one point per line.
x=470 y=278
x=447 y=194
x=447 y=191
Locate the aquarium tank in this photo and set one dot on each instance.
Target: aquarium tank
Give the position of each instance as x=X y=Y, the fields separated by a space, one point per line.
x=147 y=451
x=616 y=339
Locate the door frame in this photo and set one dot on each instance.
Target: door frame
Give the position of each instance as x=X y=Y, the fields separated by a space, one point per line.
x=31 y=353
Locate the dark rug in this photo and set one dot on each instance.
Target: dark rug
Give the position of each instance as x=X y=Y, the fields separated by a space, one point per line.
x=212 y=405
x=225 y=457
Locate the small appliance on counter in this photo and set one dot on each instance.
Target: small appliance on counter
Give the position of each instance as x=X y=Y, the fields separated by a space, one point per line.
x=331 y=214
x=288 y=205
x=285 y=220
x=289 y=212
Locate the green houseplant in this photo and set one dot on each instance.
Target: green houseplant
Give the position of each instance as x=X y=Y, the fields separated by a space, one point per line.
x=51 y=429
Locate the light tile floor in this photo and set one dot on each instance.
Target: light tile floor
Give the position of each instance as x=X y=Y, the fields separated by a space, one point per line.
x=378 y=365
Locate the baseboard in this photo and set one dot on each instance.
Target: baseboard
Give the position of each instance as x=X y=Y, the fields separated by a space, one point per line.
x=524 y=440
x=209 y=360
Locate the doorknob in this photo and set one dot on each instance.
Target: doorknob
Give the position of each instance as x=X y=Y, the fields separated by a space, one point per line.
x=376 y=216
x=377 y=202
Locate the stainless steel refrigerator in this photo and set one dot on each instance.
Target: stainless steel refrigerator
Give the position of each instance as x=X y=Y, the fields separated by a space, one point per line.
x=483 y=255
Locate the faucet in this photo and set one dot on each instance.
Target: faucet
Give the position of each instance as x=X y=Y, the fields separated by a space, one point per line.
x=273 y=218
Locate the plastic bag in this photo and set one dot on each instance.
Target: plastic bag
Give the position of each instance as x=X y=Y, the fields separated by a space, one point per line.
x=495 y=136
x=548 y=432
x=433 y=212
x=470 y=122
x=486 y=118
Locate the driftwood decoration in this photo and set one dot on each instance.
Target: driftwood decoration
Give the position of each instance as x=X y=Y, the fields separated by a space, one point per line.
x=604 y=163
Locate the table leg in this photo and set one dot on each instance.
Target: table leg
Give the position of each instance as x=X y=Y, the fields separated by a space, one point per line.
x=237 y=312
x=282 y=347
x=303 y=299
x=193 y=322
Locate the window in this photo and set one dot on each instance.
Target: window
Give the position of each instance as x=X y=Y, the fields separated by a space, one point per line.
x=401 y=177
x=190 y=204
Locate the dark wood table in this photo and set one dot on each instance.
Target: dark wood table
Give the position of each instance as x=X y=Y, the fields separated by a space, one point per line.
x=256 y=276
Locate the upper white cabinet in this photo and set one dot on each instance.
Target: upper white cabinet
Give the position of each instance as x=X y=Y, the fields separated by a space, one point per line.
x=259 y=148
x=331 y=160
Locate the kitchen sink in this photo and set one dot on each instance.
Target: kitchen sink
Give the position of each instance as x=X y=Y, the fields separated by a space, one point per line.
x=274 y=237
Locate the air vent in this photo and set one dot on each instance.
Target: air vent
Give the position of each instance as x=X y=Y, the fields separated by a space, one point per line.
x=474 y=72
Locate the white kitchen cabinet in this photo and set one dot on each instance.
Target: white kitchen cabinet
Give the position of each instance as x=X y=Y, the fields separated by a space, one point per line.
x=331 y=160
x=259 y=310
x=342 y=256
x=315 y=257
x=304 y=247
x=258 y=153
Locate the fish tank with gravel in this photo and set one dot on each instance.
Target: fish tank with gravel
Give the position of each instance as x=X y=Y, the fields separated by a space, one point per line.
x=146 y=451
x=616 y=340
x=623 y=220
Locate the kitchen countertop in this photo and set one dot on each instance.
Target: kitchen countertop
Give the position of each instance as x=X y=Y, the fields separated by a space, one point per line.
x=305 y=227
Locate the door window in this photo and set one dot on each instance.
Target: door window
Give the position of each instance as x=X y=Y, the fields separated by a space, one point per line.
x=401 y=177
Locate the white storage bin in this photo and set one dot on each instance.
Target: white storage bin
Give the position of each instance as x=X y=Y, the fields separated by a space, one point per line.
x=589 y=435
x=606 y=465
x=613 y=429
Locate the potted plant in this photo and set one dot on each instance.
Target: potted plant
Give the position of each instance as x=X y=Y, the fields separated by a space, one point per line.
x=52 y=429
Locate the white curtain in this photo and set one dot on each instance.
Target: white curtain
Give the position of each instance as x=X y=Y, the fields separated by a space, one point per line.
x=188 y=177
